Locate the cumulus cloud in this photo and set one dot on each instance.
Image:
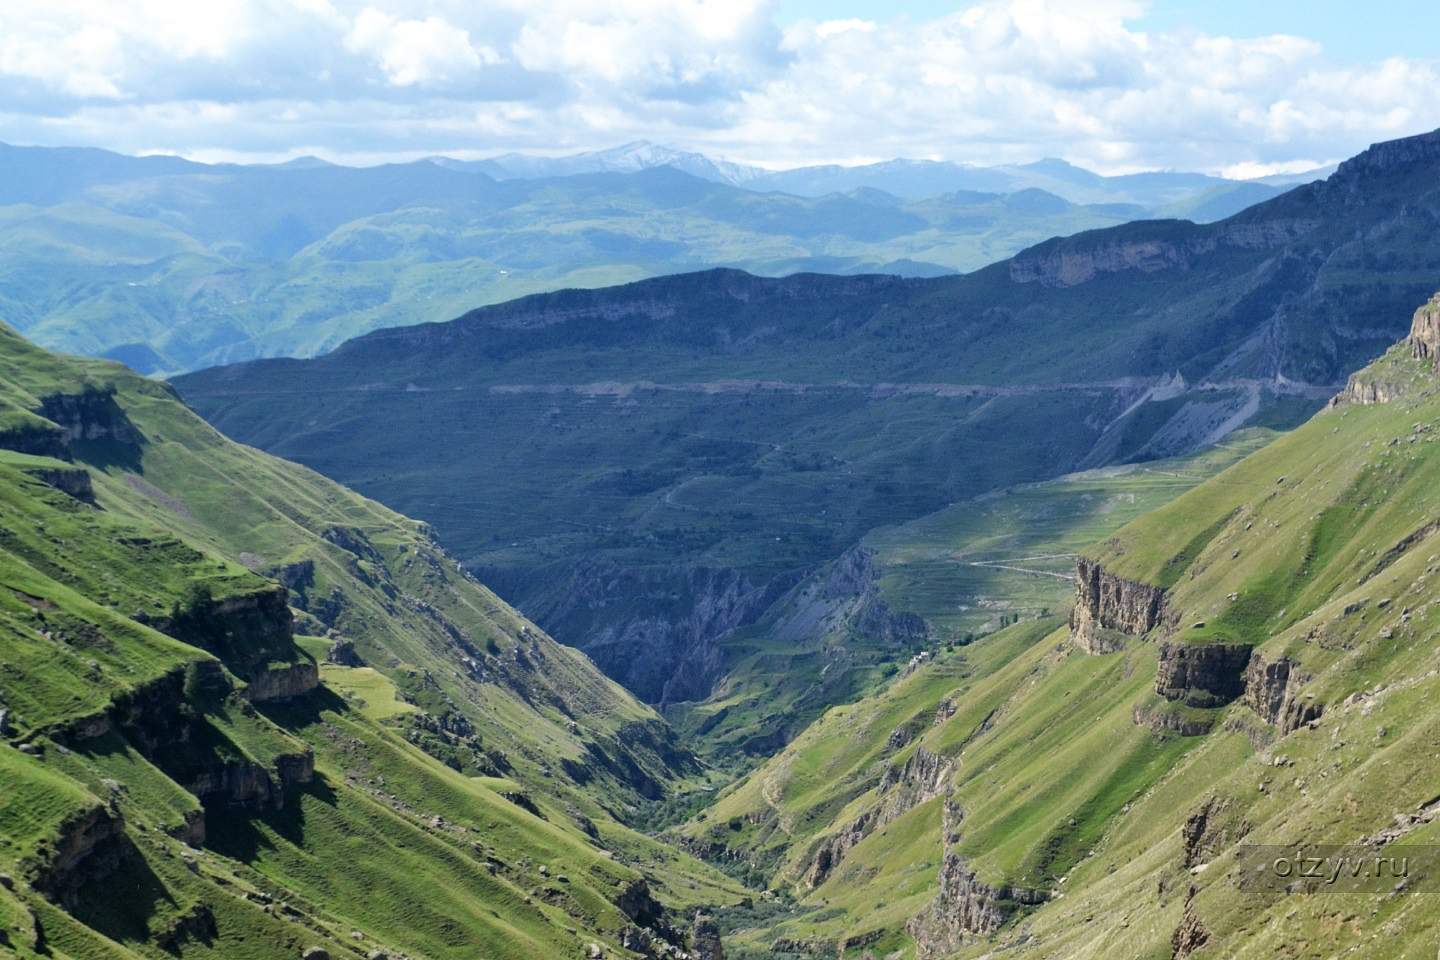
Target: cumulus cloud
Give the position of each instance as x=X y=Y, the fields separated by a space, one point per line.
x=417 y=52
x=993 y=81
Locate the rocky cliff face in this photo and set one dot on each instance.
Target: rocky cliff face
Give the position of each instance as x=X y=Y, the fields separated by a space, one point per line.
x=902 y=788
x=1202 y=675
x=246 y=631
x=965 y=906
x=1272 y=690
x=705 y=941
x=1424 y=339
x=283 y=683
x=165 y=721
x=72 y=481
x=91 y=414
x=654 y=631
x=1106 y=605
x=1366 y=389
x=89 y=847
x=1191 y=933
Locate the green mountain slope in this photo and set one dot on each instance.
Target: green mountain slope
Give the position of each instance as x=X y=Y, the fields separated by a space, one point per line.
x=644 y=469
x=185 y=777
x=1248 y=675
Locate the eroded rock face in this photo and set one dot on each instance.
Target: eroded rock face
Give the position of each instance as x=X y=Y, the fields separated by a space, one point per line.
x=91 y=414
x=1167 y=723
x=1272 y=690
x=705 y=941
x=1424 y=339
x=1147 y=248
x=1214 y=826
x=74 y=481
x=1107 y=604
x=902 y=788
x=965 y=906
x=1191 y=934
x=654 y=631
x=1364 y=390
x=1202 y=675
x=245 y=631
x=89 y=847
x=283 y=683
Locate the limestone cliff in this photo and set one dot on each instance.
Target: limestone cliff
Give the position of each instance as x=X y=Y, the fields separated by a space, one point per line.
x=1202 y=675
x=1272 y=690
x=283 y=682
x=1108 y=608
x=1424 y=339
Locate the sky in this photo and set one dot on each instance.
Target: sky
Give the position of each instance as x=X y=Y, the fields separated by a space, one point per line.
x=1241 y=87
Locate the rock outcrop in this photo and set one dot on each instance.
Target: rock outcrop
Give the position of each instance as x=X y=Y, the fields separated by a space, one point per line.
x=1166 y=722
x=1108 y=608
x=1202 y=675
x=342 y=652
x=901 y=789
x=1424 y=339
x=1272 y=690
x=1214 y=826
x=964 y=906
x=1191 y=934
x=91 y=414
x=1365 y=389
x=88 y=847
x=705 y=941
x=246 y=631
x=72 y=481
x=283 y=683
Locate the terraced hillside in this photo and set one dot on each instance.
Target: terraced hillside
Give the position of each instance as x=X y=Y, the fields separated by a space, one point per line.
x=245 y=713
x=646 y=468
x=1248 y=674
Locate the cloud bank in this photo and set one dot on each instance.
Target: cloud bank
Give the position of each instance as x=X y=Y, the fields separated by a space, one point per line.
x=997 y=81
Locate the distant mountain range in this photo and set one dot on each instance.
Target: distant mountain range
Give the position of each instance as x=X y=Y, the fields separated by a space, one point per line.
x=910 y=179
x=172 y=265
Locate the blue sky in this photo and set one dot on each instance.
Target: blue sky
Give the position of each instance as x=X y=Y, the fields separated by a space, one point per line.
x=1242 y=87
x=1350 y=32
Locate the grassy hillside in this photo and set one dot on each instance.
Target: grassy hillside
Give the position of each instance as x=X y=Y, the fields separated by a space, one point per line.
x=643 y=469
x=1130 y=802
x=185 y=778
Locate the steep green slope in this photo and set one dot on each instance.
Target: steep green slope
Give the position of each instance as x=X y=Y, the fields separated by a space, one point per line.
x=644 y=469
x=183 y=778
x=1248 y=677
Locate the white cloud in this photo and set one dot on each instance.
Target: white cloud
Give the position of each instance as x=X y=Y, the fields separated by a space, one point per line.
x=992 y=81
x=417 y=52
